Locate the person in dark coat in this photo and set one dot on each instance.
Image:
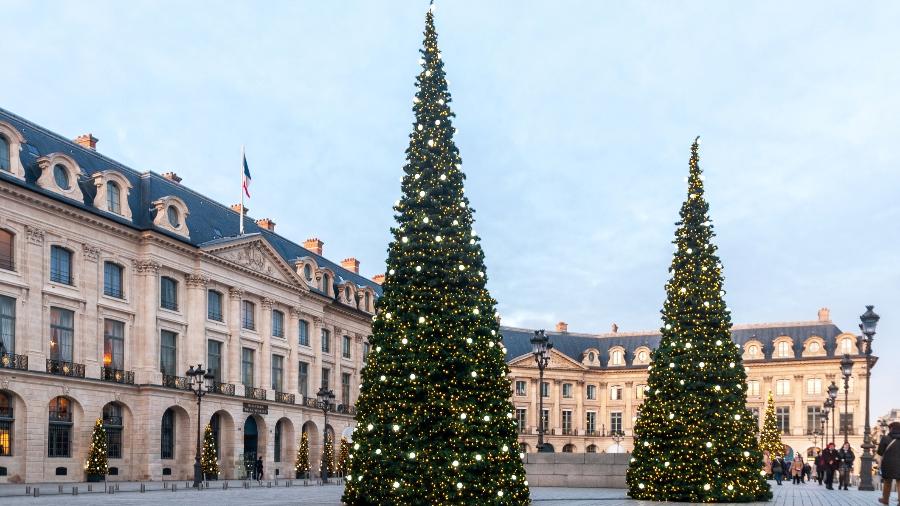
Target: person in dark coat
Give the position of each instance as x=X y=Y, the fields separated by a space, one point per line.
x=258 y=470
x=807 y=472
x=778 y=469
x=820 y=467
x=830 y=459
x=846 y=458
x=889 y=450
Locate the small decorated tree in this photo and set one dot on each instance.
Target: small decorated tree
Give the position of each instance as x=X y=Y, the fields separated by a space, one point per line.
x=342 y=456
x=97 y=464
x=328 y=454
x=208 y=460
x=770 y=437
x=301 y=467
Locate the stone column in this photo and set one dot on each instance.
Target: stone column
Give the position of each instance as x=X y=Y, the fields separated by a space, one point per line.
x=232 y=371
x=798 y=421
x=555 y=415
x=579 y=421
x=603 y=409
x=264 y=377
x=291 y=368
x=195 y=315
x=89 y=338
x=627 y=422
x=145 y=334
x=315 y=340
x=31 y=331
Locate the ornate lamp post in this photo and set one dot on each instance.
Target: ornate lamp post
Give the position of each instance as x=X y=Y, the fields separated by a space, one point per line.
x=200 y=383
x=846 y=371
x=540 y=348
x=832 y=396
x=869 y=321
x=326 y=402
x=825 y=411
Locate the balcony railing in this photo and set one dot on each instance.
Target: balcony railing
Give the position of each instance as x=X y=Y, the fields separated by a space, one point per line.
x=284 y=397
x=117 y=375
x=114 y=291
x=214 y=315
x=63 y=368
x=112 y=421
x=61 y=416
x=347 y=409
x=178 y=382
x=223 y=388
x=591 y=433
x=311 y=402
x=568 y=432
x=13 y=361
x=6 y=412
x=255 y=393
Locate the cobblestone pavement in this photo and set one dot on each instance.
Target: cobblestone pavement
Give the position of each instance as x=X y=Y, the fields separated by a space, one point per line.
x=128 y=494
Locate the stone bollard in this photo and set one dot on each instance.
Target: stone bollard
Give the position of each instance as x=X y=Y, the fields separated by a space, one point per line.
x=174 y=487
x=225 y=485
x=28 y=490
x=269 y=484
x=165 y=485
x=117 y=487
x=74 y=490
x=143 y=488
x=90 y=488
x=60 y=489
x=37 y=492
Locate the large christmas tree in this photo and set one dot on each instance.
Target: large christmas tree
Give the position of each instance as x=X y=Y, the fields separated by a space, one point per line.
x=328 y=454
x=301 y=466
x=770 y=437
x=208 y=460
x=695 y=440
x=343 y=456
x=434 y=422
x=97 y=464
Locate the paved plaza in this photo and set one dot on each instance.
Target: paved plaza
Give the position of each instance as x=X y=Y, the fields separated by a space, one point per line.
x=128 y=494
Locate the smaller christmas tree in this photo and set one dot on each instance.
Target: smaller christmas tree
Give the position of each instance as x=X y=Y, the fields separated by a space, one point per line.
x=97 y=464
x=328 y=454
x=770 y=437
x=302 y=465
x=208 y=460
x=342 y=457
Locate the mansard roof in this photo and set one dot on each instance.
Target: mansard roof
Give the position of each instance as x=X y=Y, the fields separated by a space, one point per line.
x=517 y=340
x=207 y=221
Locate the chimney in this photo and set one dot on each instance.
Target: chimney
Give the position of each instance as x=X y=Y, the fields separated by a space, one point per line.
x=267 y=224
x=351 y=264
x=562 y=327
x=615 y=328
x=237 y=208
x=378 y=278
x=87 y=141
x=824 y=315
x=314 y=244
x=171 y=176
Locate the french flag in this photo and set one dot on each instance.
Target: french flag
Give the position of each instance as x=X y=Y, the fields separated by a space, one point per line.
x=246 y=178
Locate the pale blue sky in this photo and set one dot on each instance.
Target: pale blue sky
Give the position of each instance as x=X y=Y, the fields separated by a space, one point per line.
x=575 y=120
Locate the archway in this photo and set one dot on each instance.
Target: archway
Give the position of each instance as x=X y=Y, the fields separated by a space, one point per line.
x=591 y=449
x=547 y=448
x=315 y=445
x=177 y=443
x=569 y=448
x=615 y=448
x=284 y=449
x=222 y=425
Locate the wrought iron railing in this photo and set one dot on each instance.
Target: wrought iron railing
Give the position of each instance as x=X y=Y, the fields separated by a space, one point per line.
x=117 y=375
x=13 y=361
x=114 y=291
x=223 y=388
x=591 y=433
x=61 y=416
x=6 y=263
x=215 y=315
x=311 y=402
x=255 y=393
x=112 y=421
x=568 y=432
x=170 y=304
x=178 y=382
x=284 y=397
x=347 y=409
x=63 y=368
x=6 y=412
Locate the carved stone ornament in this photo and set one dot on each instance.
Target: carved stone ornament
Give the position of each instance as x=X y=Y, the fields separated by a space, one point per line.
x=145 y=266
x=235 y=293
x=35 y=235
x=91 y=253
x=296 y=312
x=267 y=303
x=4 y=383
x=197 y=281
x=252 y=257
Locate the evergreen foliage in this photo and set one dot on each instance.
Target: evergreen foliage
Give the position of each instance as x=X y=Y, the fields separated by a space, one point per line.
x=695 y=439
x=208 y=460
x=302 y=464
x=97 y=464
x=770 y=437
x=434 y=420
x=343 y=455
x=328 y=454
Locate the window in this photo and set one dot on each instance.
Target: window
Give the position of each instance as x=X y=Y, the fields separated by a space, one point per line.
x=112 y=423
x=567 y=390
x=5 y=162
x=248 y=315
x=168 y=293
x=7 y=325
x=307 y=272
x=214 y=305
x=247 y=367
x=214 y=359
x=326 y=280
x=591 y=392
x=303 y=379
x=278 y=373
x=114 y=344
x=545 y=389
x=643 y=356
x=168 y=352
x=783 y=419
x=365 y=356
x=167 y=436
x=567 y=422
x=113 y=197
x=640 y=391
x=277 y=323
x=545 y=414
x=784 y=349
x=6 y=424
x=753 y=388
x=368 y=301
x=347 y=293
x=590 y=422
x=813 y=419
x=520 y=387
x=173 y=216
x=345 y=388
x=326 y=341
x=7 y=252
x=61 y=176
x=569 y=448
x=814 y=386
x=755 y=413
x=814 y=347
x=783 y=387
x=615 y=393
x=753 y=351
x=521 y=419
x=846 y=423
x=615 y=422
x=113 y=284
x=846 y=345
x=326 y=376
x=214 y=424
x=616 y=358
x=591 y=449
x=345 y=352
x=62 y=332
x=304 y=333
x=59 y=436
x=278 y=429
x=60 y=265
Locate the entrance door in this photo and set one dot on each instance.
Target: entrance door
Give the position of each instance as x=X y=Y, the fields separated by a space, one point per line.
x=250 y=441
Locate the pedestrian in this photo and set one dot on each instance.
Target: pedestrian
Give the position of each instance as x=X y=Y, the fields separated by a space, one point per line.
x=807 y=472
x=846 y=458
x=830 y=458
x=797 y=470
x=889 y=450
x=778 y=469
x=820 y=467
x=259 y=470
x=767 y=463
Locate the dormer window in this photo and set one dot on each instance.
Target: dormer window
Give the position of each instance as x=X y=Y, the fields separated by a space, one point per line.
x=846 y=345
x=112 y=192
x=784 y=349
x=113 y=198
x=171 y=215
x=10 y=144
x=347 y=293
x=617 y=357
x=4 y=154
x=307 y=272
x=61 y=176
x=753 y=351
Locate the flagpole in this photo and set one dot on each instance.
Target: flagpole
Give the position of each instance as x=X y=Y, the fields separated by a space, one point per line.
x=242 y=189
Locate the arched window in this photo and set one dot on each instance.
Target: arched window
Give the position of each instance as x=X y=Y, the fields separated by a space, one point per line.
x=368 y=301
x=61 y=176
x=616 y=358
x=591 y=449
x=113 y=197
x=326 y=280
x=59 y=438
x=112 y=423
x=7 y=252
x=5 y=162
x=814 y=347
x=173 y=216
x=784 y=348
x=6 y=424
x=167 y=435
x=643 y=356
x=307 y=272
x=846 y=345
x=753 y=351
x=214 y=423
x=278 y=430
x=591 y=356
x=569 y=448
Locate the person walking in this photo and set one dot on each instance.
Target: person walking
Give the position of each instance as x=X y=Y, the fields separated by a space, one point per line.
x=778 y=469
x=889 y=450
x=830 y=458
x=807 y=472
x=258 y=470
x=820 y=467
x=846 y=458
x=797 y=470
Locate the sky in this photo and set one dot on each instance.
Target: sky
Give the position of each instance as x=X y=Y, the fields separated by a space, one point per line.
x=575 y=121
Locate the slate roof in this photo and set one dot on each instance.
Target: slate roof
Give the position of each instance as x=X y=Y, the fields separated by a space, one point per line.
x=207 y=221
x=573 y=345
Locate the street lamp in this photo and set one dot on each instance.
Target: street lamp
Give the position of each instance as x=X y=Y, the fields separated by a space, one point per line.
x=869 y=321
x=326 y=401
x=825 y=410
x=846 y=371
x=540 y=348
x=832 y=396
x=200 y=382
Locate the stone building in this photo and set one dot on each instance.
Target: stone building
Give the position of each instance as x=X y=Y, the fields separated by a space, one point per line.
x=113 y=282
x=595 y=383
